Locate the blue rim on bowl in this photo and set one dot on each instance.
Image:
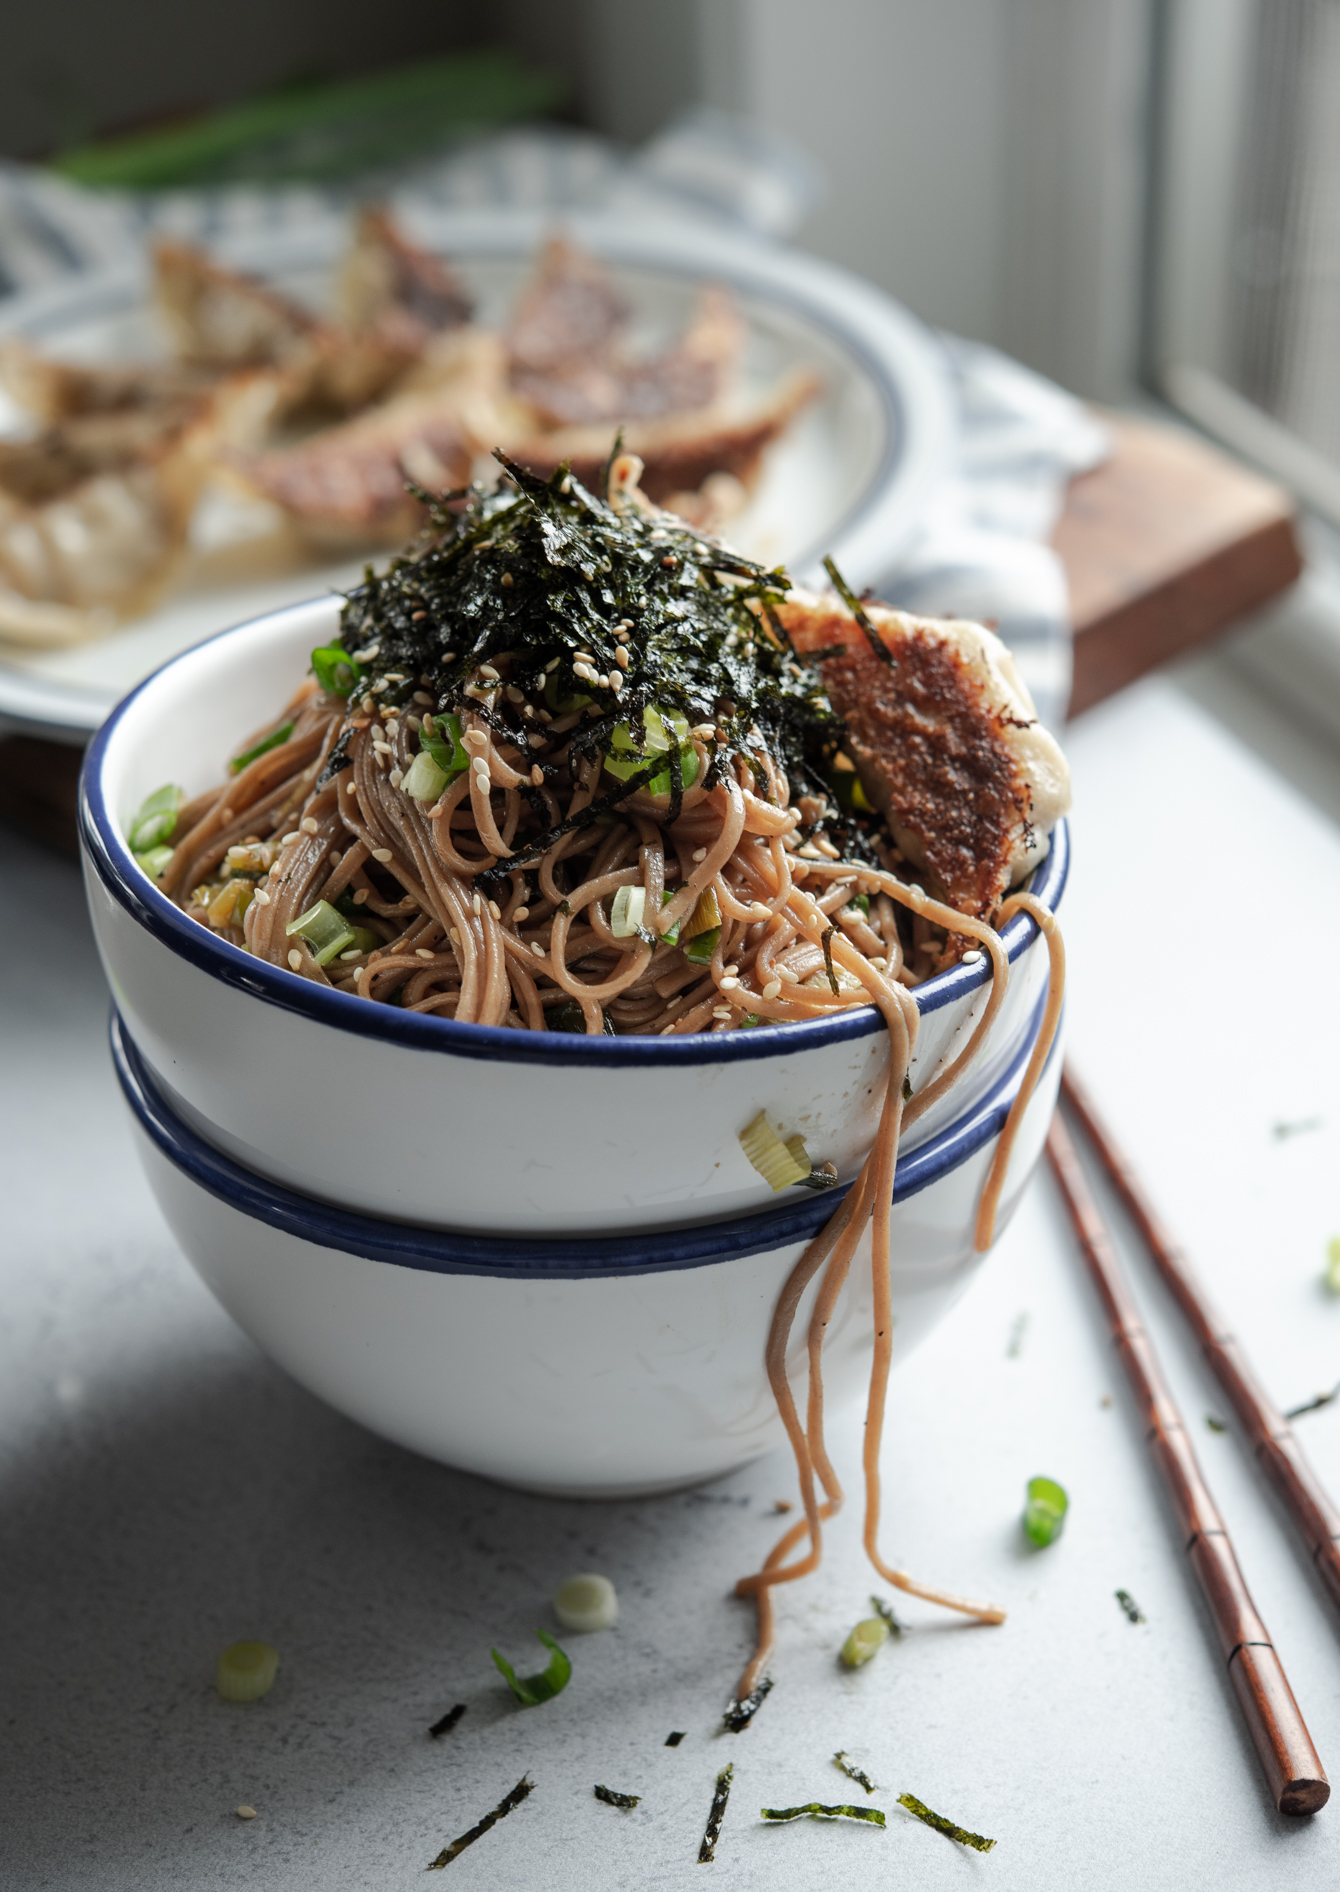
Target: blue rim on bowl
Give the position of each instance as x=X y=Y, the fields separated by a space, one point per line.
x=436 y=1251
x=126 y=882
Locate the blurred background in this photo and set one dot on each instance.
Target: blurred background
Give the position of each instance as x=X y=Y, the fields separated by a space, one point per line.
x=1139 y=198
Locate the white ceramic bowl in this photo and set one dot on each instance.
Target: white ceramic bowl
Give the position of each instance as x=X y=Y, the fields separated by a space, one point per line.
x=456 y=1125
x=597 y=1368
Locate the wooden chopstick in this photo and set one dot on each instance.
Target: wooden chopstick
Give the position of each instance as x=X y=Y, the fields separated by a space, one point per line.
x=1304 y=1496
x=1293 y=1770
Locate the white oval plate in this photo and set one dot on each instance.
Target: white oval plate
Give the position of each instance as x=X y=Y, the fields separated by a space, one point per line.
x=851 y=478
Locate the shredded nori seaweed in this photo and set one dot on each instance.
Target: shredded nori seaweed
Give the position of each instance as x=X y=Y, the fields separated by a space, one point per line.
x=815 y=1810
x=882 y=1609
x=740 y=1713
x=1134 y=1614
x=712 y=1831
x=612 y=1799
x=338 y=759
x=538 y=575
x=448 y=1721
x=941 y=1825
x=858 y=1774
x=500 y=1812
x=673 y=1740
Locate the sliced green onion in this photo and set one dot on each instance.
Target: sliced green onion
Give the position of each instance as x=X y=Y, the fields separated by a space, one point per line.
x=1044 y=1514
x=776 y=1162
x=848 y=792
x=1333 y=1264
x=751 y=1019
x=626 y=911
x=960 y=1833
x=365 y=940
x=246 y=1671
x=154 y=860
x=861 y=902
x=705 y=916
x=813 y=1810
x=699 y=951
x=156 y=820
x=531 y=1690
x=423 y=780
x=671 y=936
x=326 y=931
x=586 y=1603
x=440 y=738
x=335 y=670
x=263 y=747
x=865 y=1641
x=657 y=728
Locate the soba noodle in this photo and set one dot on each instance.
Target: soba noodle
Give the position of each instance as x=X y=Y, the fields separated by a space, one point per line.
x=493 y=902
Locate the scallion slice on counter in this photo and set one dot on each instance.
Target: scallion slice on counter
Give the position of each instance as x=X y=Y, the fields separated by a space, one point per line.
x=587 y=1602
x=779 y=1164
x=1044 y=1513
x=626 y=911
x=1333 y=1264
x=814 y=1810
x=865 y=1641
x=156 y=820
x=246 y=1671
x=531 y=1690
x=263 y=747
x=326 y=931
x=335 y=670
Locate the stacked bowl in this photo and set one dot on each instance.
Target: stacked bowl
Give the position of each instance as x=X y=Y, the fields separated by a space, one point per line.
x=540 y=1257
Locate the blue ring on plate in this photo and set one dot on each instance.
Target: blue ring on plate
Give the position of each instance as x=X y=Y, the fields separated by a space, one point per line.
x=563 y=1258
x=116 y=867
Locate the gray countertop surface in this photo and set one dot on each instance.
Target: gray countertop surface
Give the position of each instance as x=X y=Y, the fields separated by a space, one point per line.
x=164 y=1490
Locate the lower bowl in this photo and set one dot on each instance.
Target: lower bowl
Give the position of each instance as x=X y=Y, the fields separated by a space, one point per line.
x=601 y=1367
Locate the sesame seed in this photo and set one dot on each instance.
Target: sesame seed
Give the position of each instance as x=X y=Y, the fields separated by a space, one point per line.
x=537 y=775
x=480 y=765
x=355 y=952
x=700 y=854
x=622 y=659
x=474 y=737
x=728 y=985
x=455 y=936
x=772 y=988
x=537 y=949
x=287 y=840
x=261 y=898
x=972 y=958
x=422 y=952
x=358 y=973
x=514 y=695
x=478 y=903
x=827 y=848
x=422 y=696
x=522 y=913
x=295 y=959
x=616 y=681
x=537 y=741
x=704 y=732
x=395 y=778
x=487 y=670
x=722 y=1011
x=495 y=909
x=507 y=581
x=669 y=561
x=246 y=1813
x=810 y=852
x=878 y=961
x=382 y=748
x=335 y=857
x=785 y=972
x=381 y=853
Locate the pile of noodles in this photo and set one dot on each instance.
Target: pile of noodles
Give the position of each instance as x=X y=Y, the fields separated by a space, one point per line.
x=493 y=905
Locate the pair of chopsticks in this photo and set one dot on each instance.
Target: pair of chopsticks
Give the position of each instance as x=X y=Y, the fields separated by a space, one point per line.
x=1297 y=1780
